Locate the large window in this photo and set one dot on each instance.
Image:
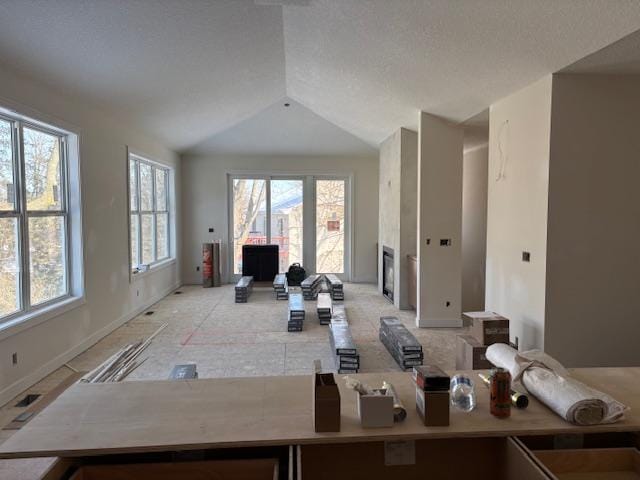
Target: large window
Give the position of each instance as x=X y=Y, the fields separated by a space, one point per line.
x=275 y=209
x=35 y=242
x=149 y=204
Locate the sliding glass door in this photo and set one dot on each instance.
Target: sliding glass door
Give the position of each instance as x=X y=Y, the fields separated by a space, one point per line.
x=306 y=216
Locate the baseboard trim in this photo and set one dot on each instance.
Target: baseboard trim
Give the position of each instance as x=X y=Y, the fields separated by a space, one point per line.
x=34 y=377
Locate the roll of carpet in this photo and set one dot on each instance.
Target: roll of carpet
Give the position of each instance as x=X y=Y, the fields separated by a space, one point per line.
x=547 y=380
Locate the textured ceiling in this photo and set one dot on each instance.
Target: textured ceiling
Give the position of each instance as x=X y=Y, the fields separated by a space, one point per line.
x=187 y=70
x=280 y=130
x=621 y=57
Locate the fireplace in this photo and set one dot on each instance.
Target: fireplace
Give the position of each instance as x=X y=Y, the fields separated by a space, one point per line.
x=387 y=272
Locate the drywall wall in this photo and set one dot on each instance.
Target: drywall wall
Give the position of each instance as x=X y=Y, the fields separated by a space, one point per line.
x=205 y=203
x=397 y=201
x=474 y=227
x=110 y=297
x=439 y=220
x=519 y=130
x=593 y=258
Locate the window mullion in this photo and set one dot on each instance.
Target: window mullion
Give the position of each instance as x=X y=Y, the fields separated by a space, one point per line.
x=21 y=197
x=154 y=219
x=139 y=217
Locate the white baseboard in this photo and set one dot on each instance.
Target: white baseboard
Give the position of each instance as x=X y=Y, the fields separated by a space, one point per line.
x=26 y=382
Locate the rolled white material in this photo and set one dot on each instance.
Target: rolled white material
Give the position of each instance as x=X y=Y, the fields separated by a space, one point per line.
x=547 y=380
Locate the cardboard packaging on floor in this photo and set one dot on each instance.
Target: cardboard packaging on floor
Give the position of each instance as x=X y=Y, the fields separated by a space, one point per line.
x=325 y=402
x=490 y=328
x=375 y=411
x=471 y=354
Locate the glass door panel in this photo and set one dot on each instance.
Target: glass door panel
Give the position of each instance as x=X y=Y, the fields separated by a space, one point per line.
x=286 y=220
x=330 y=224
x=249 y=210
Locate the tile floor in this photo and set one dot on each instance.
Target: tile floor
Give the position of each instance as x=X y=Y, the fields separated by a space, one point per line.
x=226 y=339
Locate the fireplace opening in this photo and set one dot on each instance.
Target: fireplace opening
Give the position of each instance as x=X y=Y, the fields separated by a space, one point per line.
x=387 y=272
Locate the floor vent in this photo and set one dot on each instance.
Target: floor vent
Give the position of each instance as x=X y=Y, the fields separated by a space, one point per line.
x=28 y=400
x=150 y=312
x=177 y=293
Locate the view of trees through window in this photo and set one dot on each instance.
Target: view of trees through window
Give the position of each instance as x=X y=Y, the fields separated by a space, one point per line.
x=149 y=203
x=32 y=214
x=285 y=214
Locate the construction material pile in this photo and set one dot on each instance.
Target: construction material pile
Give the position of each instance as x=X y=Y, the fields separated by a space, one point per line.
x=400 y=342
x=280 y=287
x=244 y=287
x=335 y=287
x=311 y=286
x=121 y=363
x=342 y=344
x=296 y=312
x=324 y=308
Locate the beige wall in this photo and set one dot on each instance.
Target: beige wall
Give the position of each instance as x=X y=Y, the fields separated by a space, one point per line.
x=397 y=200
x=593 y=260
x=519 y=130
x=474 y=227
x=110 y=298
x=439 y=217
x=204 y=194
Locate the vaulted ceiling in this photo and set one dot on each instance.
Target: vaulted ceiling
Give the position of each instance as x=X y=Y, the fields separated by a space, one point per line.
x=187 y=70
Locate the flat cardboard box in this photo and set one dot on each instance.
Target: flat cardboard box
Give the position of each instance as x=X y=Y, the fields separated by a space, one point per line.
x=490 y=329
x=470 y=354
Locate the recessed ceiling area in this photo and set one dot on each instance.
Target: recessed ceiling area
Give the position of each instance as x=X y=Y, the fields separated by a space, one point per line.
x=187 y=71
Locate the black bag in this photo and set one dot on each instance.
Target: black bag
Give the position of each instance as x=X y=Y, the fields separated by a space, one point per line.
x=296 y=275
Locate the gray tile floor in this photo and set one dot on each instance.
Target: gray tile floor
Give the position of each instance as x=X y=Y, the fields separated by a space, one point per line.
x=226 y=339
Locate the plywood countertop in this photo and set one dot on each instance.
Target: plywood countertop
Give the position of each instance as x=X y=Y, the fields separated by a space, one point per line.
x=143 y=416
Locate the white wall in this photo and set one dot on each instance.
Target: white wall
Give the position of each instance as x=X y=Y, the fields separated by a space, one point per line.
x=593 y=259
x=205 y=198
x=474 y=227
x=439 y=215
x=110 y=298
x=519 y=130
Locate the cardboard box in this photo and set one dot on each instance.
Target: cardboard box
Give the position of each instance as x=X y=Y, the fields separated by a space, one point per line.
x=490 y=329
x=433 y=407
x=375 y=410
x=431 y=378
x=325 y=402
x=470 y=354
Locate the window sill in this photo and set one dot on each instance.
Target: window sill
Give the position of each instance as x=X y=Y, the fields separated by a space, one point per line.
x=31 y=319
x=135 y=276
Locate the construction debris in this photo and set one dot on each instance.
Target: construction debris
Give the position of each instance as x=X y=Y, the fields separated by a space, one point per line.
x=324 y=308
x=335 y=287
x=121 y=363
x=342 y=345
x=244 y=287
x=400 y=342
x=296 y=312
x=281 y=287
x=311 y=286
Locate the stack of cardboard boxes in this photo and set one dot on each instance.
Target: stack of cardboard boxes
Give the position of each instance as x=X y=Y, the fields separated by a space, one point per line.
x=487 y=328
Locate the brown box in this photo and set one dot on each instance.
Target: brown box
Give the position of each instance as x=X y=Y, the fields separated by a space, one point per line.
x=490 y=329
x=470 y=354
x=433 y=408
x=325 y=402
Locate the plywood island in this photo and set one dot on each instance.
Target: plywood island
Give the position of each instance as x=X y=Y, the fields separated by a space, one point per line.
x=262 y=427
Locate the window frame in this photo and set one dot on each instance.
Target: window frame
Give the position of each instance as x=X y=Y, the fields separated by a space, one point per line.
x=139 y=159
x=22 y=214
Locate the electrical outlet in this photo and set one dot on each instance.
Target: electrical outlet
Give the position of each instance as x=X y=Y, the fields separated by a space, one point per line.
x=526 y=257
x=137 y=293
x=445 y=242
x=14 y=358
x=198 y=268
x=448 y=304
x=211 y=229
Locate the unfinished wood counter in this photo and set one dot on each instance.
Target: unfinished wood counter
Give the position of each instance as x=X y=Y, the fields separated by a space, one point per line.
x=155 y=416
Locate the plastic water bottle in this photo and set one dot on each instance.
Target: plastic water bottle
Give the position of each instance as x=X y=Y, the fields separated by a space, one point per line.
x=463 y=396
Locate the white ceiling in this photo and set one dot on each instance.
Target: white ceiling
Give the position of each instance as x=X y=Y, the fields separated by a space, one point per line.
x=187 y=70
x=280 y=130
x=621 y=57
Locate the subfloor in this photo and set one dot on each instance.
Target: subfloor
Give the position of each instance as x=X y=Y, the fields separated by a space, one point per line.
x=226 y=339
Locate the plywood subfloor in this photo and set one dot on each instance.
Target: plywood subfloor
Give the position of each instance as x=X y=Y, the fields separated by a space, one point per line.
x=226 y=339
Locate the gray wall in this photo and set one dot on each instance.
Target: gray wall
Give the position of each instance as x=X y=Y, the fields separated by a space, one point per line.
x=593 y=254
x=205 y=203
x=474 y=227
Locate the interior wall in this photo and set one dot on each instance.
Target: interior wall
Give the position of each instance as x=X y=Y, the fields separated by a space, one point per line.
x=110 y=297
x=439 y=216
x=205 y=203
x=474 y=227
x=397 y=201
x=519 y=133
x=593 y=257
